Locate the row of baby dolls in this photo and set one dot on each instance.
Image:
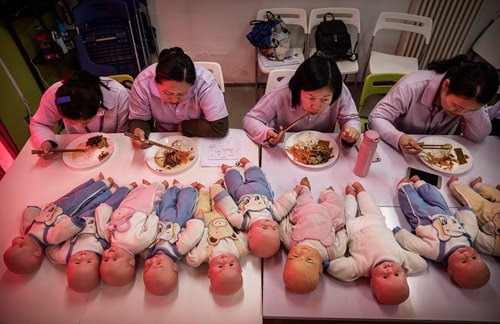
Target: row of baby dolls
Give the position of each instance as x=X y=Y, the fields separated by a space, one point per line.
x=199 y=224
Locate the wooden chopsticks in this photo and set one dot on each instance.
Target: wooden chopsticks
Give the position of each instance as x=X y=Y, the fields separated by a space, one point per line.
x=151 y=142
x=57 y=151
x=288 y=127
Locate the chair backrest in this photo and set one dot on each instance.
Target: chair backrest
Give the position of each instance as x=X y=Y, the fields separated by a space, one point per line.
x=376 y=84
x=275 y=76
x=125 y=79
x=350 y=16
x=404 y=22
x=216 y=70
x=291 y=16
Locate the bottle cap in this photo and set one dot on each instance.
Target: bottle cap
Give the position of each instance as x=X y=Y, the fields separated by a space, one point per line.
x=371 y=135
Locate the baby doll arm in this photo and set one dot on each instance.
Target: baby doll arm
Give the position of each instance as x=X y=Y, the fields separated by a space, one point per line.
x=65 y=229
x=413 y=263
x=58 y=253
x=284 y=204
x=482 y=241
x=425 y=246
x=102 y=218
x=286 y=227
x=344 y=268
x=350 y=207
x=203 y=201
x=228 y=207
x=196 y=256
x=28 y=216
x=190 y=236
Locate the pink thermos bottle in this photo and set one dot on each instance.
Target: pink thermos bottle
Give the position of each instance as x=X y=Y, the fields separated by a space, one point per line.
x=366 y=153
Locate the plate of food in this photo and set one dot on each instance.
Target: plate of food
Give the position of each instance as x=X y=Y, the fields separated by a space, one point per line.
x=452 y=157
x=167 y=161
x=311 y=149
x=98 y=148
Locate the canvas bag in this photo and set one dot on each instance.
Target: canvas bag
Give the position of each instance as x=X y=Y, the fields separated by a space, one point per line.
x=271 y=36
x=333 y=39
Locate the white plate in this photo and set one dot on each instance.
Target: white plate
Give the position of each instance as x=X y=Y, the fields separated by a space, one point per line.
x=176 y=141
x=90 y=158
x=455 y=167
x=312 y=137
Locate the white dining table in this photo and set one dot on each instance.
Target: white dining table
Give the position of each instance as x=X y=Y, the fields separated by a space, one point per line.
x=43 y=296
x=433 y=297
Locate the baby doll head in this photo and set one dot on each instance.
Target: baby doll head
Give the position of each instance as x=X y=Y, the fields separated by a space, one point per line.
x=303 y=269
x=24 y=256
x=82 y=272
x=160 y=274
x=117 y=266
x=388 y=281
x=225 y=276
x=264 y=238
x=467 y=268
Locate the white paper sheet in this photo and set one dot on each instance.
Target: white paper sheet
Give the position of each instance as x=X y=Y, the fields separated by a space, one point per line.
x=218 y=151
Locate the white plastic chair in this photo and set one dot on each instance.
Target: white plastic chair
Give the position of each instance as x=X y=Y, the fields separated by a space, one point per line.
x=275 y=77
x=296 y=21
x=216 y=70
x=378 y=62
x=350 y=17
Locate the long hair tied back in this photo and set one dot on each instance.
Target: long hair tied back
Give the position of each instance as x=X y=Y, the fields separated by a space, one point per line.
x=472 y=80
x=174 y=64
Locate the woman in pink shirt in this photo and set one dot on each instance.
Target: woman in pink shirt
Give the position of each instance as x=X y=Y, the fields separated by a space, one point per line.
x=178 y=97
x=434 y=101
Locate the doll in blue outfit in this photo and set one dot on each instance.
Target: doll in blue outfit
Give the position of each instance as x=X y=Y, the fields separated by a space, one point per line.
x=53 y=224
x=255 y=212
x=440 y=235
x=178 y=233
x=83 y=252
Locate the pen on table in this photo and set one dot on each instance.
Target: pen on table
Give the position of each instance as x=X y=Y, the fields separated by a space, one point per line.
x=288 y=127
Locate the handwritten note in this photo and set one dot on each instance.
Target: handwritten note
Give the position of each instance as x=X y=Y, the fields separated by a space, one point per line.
x=218 y=151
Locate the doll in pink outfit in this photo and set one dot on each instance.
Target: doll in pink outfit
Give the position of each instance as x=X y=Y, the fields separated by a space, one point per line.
x=55 y=223
x=220 y=246
x=253 y=208
x=129 y=229
x=313 y=233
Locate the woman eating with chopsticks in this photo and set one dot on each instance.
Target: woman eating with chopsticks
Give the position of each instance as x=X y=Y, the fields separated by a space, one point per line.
x=314 y=98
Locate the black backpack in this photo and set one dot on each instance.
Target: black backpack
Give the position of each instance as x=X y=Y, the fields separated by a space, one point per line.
x=333 y=39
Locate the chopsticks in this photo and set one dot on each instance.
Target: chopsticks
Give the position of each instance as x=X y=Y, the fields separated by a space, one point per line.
x=57 y=151
x=288 y=127
x=446 y=146
x=151 y=142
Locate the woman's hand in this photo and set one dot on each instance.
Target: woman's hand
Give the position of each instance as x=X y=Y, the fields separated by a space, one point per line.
x=275 y=138
x=349 y=134
x=142 y=138
x=408 y=145
x=47 y=150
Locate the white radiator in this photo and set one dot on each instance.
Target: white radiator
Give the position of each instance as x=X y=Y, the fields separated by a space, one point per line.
x=452 y=20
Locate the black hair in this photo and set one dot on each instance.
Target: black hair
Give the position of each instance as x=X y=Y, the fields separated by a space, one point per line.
x=80 y=95
x=174 y=64
x=472 y=80
x=316 y=72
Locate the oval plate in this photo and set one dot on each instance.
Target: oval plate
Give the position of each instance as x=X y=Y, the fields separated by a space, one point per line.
x=312 y=137
x=454 y=167
x=182 y=143
x=92 y=157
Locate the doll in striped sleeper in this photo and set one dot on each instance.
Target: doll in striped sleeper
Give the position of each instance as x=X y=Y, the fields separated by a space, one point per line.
x=220 y=246
x=53 y=224
x=254 y=209
x=178 y=232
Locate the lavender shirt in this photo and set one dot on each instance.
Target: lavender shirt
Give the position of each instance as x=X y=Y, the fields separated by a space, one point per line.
x=110 y=120
x=205 y=100
x=275 y=109
x=408 y=108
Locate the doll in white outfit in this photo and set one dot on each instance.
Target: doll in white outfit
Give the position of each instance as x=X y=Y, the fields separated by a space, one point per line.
x=313 y=233
x=129 y=229
x=220 y=246
x=374 y=252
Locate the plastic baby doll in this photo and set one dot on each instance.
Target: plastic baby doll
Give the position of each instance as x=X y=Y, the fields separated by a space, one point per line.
x=313 y=233
x=220 y=246
x=83 y=252
x=129 y=229
x=178 y=233
x=484 y=199
x=374 y=252
x=255 y=212
x=439 y=234
x=55 y=223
